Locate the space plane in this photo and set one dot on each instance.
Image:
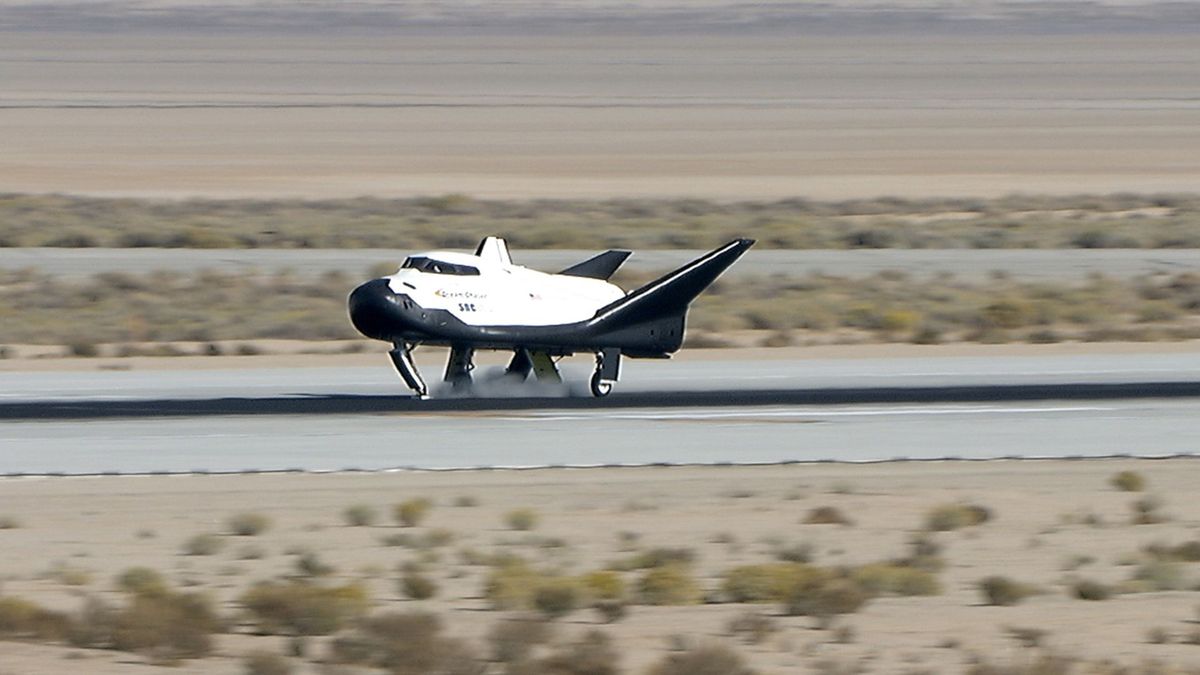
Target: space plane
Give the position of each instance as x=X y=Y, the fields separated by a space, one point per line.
x=482 y=301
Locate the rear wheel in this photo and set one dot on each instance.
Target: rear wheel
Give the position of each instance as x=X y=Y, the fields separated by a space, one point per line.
x=600 y=387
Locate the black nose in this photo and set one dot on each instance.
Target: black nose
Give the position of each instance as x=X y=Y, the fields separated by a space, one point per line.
x=373 y=309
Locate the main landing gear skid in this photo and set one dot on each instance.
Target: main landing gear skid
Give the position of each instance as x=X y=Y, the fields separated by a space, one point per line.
x=540 y=364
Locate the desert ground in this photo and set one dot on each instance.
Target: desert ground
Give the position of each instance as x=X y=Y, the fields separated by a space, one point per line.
x=1051 y=523
x=540 y=99
x=601 y=111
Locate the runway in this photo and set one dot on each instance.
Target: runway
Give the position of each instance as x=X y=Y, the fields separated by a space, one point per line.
x=664 y=413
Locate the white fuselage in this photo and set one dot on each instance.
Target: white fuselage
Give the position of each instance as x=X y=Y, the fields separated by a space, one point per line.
x=501 y=294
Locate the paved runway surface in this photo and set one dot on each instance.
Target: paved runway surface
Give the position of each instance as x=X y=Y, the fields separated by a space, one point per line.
x=687 y=412
x=1049 y=265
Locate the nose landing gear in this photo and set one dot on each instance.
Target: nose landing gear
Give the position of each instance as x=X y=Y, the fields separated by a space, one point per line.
x=401 y=355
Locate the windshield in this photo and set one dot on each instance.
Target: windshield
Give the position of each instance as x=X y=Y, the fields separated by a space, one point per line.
x=423 y=264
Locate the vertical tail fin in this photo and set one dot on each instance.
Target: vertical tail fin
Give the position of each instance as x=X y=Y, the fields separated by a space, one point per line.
x=495 y=249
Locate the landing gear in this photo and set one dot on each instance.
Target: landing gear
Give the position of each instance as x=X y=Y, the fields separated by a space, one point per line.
x=544 y=368
x=519 y=367
x=608 y=371
x=458 y=368
x=524 y=362
x=402 y=360
x=600 y=387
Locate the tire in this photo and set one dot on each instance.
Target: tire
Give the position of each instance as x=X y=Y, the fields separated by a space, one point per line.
x=600 y=388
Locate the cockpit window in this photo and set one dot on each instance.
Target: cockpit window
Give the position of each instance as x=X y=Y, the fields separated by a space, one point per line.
x=423 y=264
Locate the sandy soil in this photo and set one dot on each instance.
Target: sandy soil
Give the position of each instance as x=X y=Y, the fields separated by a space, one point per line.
x=727 y=515
x=731 y=116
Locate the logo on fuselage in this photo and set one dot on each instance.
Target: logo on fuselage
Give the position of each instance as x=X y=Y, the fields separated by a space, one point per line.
x=443 y=293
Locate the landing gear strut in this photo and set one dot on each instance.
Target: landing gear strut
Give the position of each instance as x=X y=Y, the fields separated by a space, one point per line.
x=544 y=368
x=459 y=367
x=520 y=366
x=401 y=355
x=608 y=371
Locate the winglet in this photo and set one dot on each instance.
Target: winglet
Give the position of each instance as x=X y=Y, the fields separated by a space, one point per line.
x=494 y=249
x=602 y=266
x=672 y=293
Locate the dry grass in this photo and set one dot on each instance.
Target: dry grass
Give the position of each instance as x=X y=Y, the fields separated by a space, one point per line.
x=119 y=310
x=458 y=221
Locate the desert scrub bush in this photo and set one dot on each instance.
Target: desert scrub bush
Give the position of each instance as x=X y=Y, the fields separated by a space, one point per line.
x=22 y=619
x=521 y=519
x=656 y=557
x=824 y=597
x=610 y=611
x=946 y=517
x=702 y=660
x=1090 y=589
x=1051 y=663
x=752 y=627
x=827 y=515
x=9 y=523
x=360 y=515
x=437 y=537
x=309 y=564
x=1158 y=635
x=555 y=598
x=303 y=608
x=515 y=584
x=141 y=580
x=769 y=582
x=92 y=625
x=69 y=575
x=513 y=640
x=796 y=553
x=1075 y=562
x=263 y=662
x=417 y=586
x=248 y=524
x=592 y=653
x=466 y=501
x=203 y=544
x=511 y=584
x=1027 y=637
x=1148 y=511
x=1128 y=481
x=924 y=553
x=404 y=643
x=668 y=585
x=1001 y=590
x=888 y=578
x=399 y=539
x=1157 y=575
x=603 y=585
x=412 y=512
x=1188 y=551
x=167 y=627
